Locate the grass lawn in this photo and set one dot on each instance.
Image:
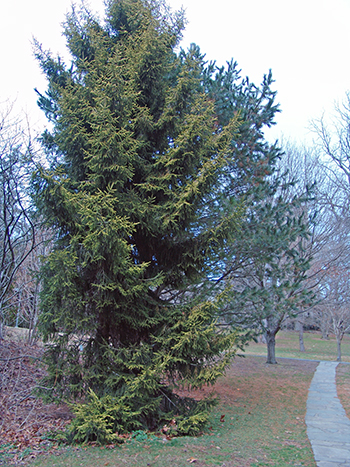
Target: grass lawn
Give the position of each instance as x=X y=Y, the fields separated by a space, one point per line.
x=263 y=425
x=258 y=422
x=316 y=348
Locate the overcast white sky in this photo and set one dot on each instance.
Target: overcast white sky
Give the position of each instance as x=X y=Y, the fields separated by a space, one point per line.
x=306 y=43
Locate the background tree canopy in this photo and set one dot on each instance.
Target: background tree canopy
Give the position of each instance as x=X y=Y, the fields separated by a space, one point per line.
x=152 y=156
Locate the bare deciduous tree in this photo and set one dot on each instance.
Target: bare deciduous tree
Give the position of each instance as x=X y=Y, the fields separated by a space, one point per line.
x=333 y=145
x=17 y=227
x=27 y=286
x=335 y=306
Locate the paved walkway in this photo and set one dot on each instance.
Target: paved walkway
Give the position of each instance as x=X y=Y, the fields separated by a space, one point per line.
x=328 y=427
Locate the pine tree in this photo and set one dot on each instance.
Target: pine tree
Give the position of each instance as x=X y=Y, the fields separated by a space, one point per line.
x=268 y=261
x=143 y=158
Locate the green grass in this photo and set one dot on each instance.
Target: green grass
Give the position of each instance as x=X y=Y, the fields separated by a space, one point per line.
x=264 y=409
x=316 y=348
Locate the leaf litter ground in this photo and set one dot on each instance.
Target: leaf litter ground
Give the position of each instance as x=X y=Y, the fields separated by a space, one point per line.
x=24 y=419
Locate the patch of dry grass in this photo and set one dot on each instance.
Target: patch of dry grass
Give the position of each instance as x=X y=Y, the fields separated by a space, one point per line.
x=343 y=386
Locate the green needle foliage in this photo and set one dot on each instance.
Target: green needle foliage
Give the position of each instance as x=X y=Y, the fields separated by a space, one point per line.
x=148 y=169
x=269 y=272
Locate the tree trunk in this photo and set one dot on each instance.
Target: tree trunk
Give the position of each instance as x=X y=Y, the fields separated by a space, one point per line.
x=339 y=349
x=300 y=328
x=301 y=339
x=271 y=345
x=34 y=315
x=262 y=339
x=19 y=308
x=325 y=327
x=1 y=322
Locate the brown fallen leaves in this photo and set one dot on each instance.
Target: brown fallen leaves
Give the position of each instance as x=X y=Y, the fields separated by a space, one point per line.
x=25 y=420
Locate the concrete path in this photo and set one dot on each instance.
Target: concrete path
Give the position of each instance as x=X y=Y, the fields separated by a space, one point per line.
x=328 y=427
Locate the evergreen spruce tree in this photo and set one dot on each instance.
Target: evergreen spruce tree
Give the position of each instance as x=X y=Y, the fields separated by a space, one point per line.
x=145 y=188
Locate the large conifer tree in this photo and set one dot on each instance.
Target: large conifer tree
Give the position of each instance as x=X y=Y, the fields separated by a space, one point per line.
x=144 y=190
